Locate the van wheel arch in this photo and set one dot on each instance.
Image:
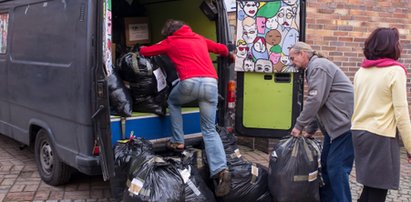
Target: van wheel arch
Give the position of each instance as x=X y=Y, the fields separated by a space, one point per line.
x=52 y=169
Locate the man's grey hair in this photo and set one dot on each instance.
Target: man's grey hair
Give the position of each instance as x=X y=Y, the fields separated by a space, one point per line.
x=303 y=47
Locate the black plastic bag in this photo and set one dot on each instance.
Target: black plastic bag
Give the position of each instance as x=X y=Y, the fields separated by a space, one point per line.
x=147 y=83
x=231 y=149
x=248 y=183
x=132 y=67
x=195 y=189
x=168 y=67
x=294 y=170
x=151 y=178
x=197 y=158
x=156 y=103
x=120 y=99
x=124 y=151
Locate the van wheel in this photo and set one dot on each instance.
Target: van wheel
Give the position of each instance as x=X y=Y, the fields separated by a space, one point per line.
x=51 y=169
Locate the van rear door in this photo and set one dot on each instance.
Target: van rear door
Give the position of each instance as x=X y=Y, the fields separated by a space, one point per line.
x=101 y=116
x=269 y=89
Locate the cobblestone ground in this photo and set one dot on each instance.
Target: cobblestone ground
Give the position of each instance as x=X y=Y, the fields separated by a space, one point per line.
x=20 y=181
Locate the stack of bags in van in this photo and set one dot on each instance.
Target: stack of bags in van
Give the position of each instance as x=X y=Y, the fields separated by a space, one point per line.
x=120 y=99
x=146 y=82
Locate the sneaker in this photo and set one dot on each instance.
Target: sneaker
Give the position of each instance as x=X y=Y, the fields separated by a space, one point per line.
x=224 y=183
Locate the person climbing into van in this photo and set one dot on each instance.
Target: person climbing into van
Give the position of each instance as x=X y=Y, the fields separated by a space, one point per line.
x=189 y=52
x=330 y=102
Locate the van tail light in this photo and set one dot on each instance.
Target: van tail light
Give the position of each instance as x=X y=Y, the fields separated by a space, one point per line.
x=231 y=94
x=96 y=150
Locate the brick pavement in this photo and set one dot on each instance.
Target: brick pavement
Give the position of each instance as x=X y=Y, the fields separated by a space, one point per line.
x=20 y=181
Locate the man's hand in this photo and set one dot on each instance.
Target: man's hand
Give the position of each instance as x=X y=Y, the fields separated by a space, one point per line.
x=305 y=134
x=295 y=132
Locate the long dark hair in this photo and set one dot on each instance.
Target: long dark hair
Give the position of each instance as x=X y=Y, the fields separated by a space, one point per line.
x=171 y=26
x=383 y=43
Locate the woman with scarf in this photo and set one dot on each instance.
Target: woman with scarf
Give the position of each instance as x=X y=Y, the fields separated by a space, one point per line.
x=380 y=115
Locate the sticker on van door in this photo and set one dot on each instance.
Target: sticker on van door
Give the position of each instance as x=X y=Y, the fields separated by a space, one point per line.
x=265 y=32
x=4 y=22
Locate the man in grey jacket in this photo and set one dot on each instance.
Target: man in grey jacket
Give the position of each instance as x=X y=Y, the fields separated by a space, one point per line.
x=329 y=101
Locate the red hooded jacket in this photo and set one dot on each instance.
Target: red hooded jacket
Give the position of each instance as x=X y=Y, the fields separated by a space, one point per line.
x=189 y=52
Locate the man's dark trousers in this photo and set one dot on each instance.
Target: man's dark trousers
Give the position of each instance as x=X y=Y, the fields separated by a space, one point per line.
x=337 y=160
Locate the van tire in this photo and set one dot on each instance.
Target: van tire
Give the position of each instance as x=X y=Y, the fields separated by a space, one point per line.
x=51 y=169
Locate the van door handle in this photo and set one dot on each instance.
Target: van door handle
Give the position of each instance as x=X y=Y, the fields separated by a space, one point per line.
x=100 y=108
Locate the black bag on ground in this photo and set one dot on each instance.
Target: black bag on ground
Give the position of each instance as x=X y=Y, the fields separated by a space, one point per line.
x=124 y=150
x=248 y=183
x=197 y=158
x=151 y=178
x=120 y=99
x=294 y=173
x=196 y=190
x=231 y=149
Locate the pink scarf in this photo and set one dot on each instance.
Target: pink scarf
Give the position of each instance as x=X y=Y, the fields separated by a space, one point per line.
x=384 y=62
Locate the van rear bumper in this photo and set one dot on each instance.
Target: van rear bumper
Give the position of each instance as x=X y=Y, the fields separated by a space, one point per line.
x=89 y=165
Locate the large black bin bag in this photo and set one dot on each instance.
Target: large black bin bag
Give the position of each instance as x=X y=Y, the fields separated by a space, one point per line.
x=294 y=170
x=124 y=152
x=152 y=178
x=120 y=99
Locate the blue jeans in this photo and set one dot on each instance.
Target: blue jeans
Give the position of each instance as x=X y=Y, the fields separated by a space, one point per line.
x=337 y=159
x=205 y=91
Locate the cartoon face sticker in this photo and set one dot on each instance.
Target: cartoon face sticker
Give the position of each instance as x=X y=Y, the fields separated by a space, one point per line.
x=249 y=30
x=261 y=25
x=285 y=60
x=275 y=57
x=289 y=40
x=250 y=8
x=249 y=34
x=259 y=51
x=259 y=45
x=286 y=16
x=242 y=49
x=273 y=37
x=248 y=65
x=271 y=23
x=263 y=66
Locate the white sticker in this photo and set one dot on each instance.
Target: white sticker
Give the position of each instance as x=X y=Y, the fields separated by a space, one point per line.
x=313 y=92
x=136 y=186
x=185 y=174
x=237 y=153
x=194 y=188
x=161 y=79
x=274 y=154
x=254 y=170
x=312 y=176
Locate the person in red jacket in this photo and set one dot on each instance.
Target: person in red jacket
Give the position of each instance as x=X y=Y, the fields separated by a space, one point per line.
x=189 y=52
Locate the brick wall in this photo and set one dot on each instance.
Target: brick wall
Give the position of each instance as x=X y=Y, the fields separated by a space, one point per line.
x=338 y=28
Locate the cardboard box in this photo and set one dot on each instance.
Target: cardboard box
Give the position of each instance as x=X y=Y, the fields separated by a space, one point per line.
x=137 y=30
